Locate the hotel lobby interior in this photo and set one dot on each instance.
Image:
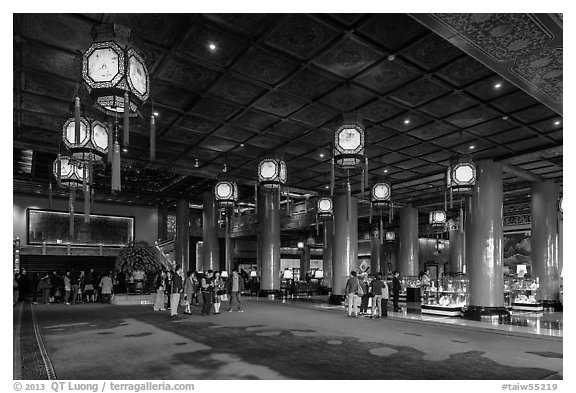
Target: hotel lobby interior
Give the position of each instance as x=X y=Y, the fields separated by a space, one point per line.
x=293 y=149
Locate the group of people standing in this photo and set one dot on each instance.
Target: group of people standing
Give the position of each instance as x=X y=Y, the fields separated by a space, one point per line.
x=71 y=287
x=359 y=289
x=210 y=288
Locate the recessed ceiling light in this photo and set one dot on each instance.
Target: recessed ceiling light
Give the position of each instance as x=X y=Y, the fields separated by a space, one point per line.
x=241 y=145
x=156 y=114
x=504 y=117
x=498 y=85
x=407 y=121
x=125 y=150
x=391 y=57
x=471 y=147
x=557 y=123
x=385 y=170
x=321 y=155
x=327 y=187
x=212 y=47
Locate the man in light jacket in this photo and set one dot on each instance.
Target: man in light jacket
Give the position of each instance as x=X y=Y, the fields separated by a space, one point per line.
x=351 y=291
x=235 y=286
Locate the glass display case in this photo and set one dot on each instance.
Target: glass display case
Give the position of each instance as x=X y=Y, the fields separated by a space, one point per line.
x=508 y=291
x=524 y=295
x=407 y=282
x=447 y=297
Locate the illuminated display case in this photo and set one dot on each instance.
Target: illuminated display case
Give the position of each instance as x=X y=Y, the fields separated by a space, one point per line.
x=407 y=282
x=524 y=295
x=508 y=291
x=447 y=298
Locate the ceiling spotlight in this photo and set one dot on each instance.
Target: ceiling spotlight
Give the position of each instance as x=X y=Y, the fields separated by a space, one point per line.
x=212 y=47
x=385 y=170
x=498 y=85
x=156 y=114
x=321 y=155
x=196 y=163
x=557 y=123
x=125 y=149
x=327 y=187
x=407 y=121
x=471 y=147
x=241 y=145
x=391 y=57
x=504 y=117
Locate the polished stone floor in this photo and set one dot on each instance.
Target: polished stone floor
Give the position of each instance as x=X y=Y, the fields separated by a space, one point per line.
x=273 y=340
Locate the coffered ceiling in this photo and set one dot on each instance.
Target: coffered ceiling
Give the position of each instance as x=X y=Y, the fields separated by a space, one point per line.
x=280 y=82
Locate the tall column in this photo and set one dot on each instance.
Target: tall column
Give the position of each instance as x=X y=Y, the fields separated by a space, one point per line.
x=345 y=243
x=409 y=246
x=327 y=254
x=484 y=259
x=270 y=242
x=389 y=256
x=544 y=253
x=304 y=261
x=211 y=249
x=199 y=256
x=229 y=247
x=560 y=241
x=376 y=255
x=182 y=240
x=456 y=249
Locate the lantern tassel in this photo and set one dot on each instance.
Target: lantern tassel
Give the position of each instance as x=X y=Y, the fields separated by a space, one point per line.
x=381 y=229
x=86 y=191
x=391 y=215
x=152 y=138
x=126 y=119
x=92 y=196
x=451 y=203
x=71 y=200
x=256 y=198
x=50 y=194
x=461 y=219
x=332 y=179
x=362 y=184
x=445 y=202
x=317 y=227
x=77 y=120
x=59 y=169
x=348 y=202
x=366 y=173
x=110 y=142
x=116 y=186
x=370 y=215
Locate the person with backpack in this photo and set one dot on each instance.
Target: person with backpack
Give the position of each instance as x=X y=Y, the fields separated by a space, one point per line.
x=354 y=293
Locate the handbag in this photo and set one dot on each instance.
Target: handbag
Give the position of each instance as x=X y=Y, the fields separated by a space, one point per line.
x=360 y=291
x=224 y=297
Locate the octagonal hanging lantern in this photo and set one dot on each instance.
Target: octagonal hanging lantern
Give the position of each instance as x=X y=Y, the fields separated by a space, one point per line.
x=93 y=142
x=272 y=172
x=390 y=236
x=560 y=204
x=439 y=246
x=461 y=175
x=381 y=193
x=112 y=67
x=71 y=173
x=349 y=144
x=325 y=207
x=438 y=218
x=226 y=192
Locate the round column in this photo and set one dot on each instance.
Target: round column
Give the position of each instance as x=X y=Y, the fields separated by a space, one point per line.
x=375 y=255
x=484 y=259
x=544 y=241
x=345 y=244
x=211 y=248
x=560 y=241
x=229 y=247
x=182 y=239
x=304 y=261
x=327 y=254
x=456 y=249
x=270 y=243
x=390 y=256
x=409 y=247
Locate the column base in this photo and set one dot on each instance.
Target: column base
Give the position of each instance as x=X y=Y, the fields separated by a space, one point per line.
x=270 y=293
x=481 y=313
x=552 y=305
x=336 y=299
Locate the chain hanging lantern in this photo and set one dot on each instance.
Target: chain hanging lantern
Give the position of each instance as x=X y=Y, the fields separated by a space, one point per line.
x=226 y=190
x=325 y=208
x=461 y=176
x=349 y=143
x=381 y=193
x=115 y=73
x=390 y=236
x=437 y=218
x=272 y=172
